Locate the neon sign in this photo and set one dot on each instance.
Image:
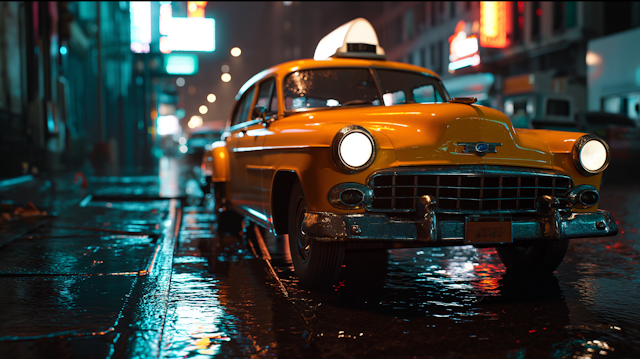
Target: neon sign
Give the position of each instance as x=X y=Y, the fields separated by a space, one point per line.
x=463 y=49
x=493 y=24
x=140 y=13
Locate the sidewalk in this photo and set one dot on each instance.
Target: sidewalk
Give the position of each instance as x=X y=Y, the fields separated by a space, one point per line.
x=87 y=266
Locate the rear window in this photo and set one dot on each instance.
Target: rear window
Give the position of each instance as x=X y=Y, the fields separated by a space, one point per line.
x=558 y=107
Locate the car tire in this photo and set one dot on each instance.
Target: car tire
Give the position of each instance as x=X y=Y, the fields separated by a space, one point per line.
x=317 y=264
x=538 y=258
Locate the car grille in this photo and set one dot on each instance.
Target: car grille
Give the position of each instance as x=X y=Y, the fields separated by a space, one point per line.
x=460 y=190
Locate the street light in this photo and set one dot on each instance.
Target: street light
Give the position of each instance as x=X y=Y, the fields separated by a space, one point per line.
x=226 y=77
x=235 y=52
x=211 y=98
x=203 y=109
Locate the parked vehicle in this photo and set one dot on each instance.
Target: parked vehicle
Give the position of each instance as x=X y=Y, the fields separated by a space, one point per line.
x=350 y=152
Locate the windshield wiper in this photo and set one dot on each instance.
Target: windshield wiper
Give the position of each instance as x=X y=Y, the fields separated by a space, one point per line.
x=356 y=102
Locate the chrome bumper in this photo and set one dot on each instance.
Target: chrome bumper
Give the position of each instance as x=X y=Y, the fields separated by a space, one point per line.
x=428 y=228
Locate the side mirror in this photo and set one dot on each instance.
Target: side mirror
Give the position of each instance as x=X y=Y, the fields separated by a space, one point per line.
x=258 y=112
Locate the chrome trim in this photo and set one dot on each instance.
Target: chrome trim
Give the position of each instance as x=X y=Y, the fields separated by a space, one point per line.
x=479 y=148
x=575 y=196
x=577 y=146
x=273 y=148
x=334 y=195
x=335 y=149
x=473 y=171
x=546 y=225
x=426 y=223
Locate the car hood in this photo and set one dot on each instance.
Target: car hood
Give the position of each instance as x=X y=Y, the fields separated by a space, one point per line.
x=430 y=134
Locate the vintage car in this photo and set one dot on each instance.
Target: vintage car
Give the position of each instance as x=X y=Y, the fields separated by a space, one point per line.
x=348 y=151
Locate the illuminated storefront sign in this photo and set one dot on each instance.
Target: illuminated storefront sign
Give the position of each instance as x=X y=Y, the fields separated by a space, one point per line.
x=494 y=19
x=192 y=33
x=181 y=64
x=463 y=49
x=140 y=13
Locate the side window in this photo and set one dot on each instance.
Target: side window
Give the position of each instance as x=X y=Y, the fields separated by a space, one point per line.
x=267 y=97
x=242 y=111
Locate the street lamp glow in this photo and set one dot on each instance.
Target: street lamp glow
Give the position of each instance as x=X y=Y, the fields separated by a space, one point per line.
x=195 y=121
x=211 y=98
x=235 y=52
x=180 y=81
x=203 y=109
x=225 y=68
x=226 y=77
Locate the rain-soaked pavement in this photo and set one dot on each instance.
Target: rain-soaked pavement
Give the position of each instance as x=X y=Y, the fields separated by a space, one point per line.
x=134 y=267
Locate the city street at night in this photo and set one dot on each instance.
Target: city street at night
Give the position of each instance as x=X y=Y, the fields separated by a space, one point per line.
x=288 y=179
x=135 y=267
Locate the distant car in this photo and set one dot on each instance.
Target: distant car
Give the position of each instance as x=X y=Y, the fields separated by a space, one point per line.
x=621 y=132
x=541 y=110
x=350 y=152
x=198 y=142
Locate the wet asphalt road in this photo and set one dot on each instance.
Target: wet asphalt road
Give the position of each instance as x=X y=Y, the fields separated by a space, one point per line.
x=133 y=267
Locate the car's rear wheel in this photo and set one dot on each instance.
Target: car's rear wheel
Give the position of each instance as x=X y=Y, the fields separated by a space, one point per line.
x=317 y=264
x=543 y=257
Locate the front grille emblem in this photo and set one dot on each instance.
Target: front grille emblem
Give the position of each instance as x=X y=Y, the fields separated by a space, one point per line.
x=479 y=148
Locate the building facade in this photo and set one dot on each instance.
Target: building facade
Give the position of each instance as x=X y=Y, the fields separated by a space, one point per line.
x=520 y=47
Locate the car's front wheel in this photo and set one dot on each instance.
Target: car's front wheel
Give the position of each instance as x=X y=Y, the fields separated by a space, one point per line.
x=317 y=264
x=543 y=257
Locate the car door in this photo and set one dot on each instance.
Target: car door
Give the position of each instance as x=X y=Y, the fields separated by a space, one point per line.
x=242 y=184
x=248 y=152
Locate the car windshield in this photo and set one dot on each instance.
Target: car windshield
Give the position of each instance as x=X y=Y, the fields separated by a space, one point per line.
x=335 y=87
x=341 y=87
x=400 y=87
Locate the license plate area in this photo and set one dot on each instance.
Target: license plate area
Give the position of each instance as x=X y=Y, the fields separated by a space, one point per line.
x=488 y=230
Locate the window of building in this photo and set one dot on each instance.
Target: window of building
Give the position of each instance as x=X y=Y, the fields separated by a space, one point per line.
x=558 y=16
x=518 y=22
x=433 y=56
x=421 y=16
x=571 y=13
x=467 y=5
x=433 y=9
x=452 y=9
x=423 y=57
x=536 y=17
x=410 y=24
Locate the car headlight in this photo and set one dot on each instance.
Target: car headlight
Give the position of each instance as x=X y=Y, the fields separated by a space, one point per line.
x=353 y=149
x=590 y=155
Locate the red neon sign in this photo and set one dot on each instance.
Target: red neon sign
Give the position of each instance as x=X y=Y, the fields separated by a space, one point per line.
x=494 y=19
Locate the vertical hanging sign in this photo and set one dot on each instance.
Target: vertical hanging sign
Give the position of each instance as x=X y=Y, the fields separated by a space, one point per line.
x=494 y=20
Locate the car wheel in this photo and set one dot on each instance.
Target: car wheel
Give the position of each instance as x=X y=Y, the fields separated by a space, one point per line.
x=316 y=263
x=540 y=258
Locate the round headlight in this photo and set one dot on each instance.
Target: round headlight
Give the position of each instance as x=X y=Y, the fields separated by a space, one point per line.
x=590 y=155
x=356 y=149
x=353 y=149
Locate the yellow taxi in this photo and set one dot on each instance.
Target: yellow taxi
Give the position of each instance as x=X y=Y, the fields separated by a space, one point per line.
x=348 y=151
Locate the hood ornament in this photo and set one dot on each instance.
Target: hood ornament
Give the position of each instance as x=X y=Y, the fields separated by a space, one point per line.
x=479 y=148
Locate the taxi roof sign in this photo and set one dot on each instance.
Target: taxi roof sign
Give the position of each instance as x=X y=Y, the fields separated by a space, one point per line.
x=357 y=38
